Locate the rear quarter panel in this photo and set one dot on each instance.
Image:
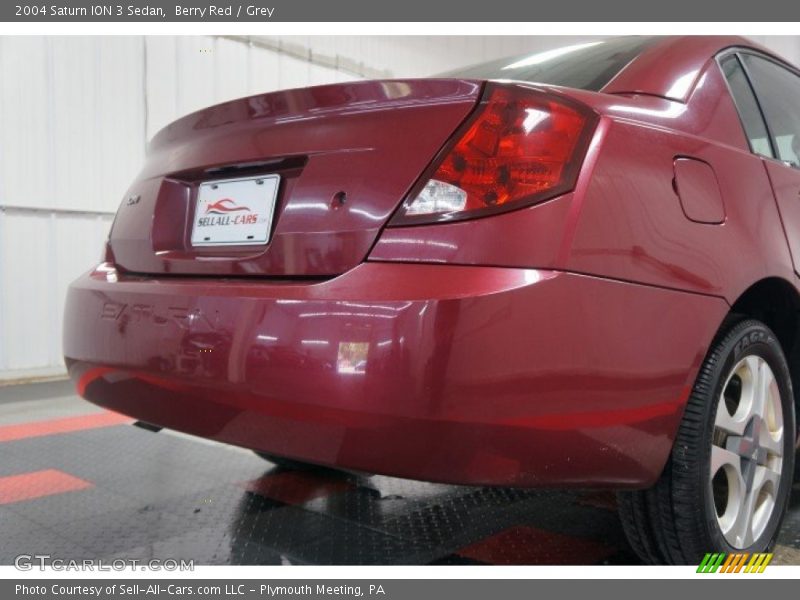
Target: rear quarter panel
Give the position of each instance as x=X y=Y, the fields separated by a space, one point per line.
x=630 y=224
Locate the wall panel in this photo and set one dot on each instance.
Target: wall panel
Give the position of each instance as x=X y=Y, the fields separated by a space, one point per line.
x=26 y=154
x=120 y=119
x=27 y=339
x=230 y=70
x=161 y=83
x=76 y=122
x=262 y=71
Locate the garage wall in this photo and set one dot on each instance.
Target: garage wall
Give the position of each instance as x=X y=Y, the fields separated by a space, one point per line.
x=75 y=115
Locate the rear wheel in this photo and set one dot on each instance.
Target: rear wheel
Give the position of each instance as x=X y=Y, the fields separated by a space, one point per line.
x=726 y=485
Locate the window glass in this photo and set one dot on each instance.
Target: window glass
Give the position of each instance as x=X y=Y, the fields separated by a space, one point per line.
x=588 y=66
x=742 y=93
x=778 y=92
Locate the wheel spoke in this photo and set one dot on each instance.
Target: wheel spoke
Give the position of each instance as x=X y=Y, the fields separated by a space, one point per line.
x=765 y=475
x=766 y=482
x=741 y=529
x=771 y=434
x=726 y=422
x=735 y=521
x=773 y=446
x=762 y=379
x=721 y=457
x=734 y=424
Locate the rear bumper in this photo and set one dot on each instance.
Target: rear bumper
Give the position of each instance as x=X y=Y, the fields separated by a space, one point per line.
x=458 y=374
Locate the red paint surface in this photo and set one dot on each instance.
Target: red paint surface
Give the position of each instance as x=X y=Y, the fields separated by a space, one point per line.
x=361 y=138
x=462 y=381
x=786 y=183
x=530 y=546
x=698 y=189
x=10 y=433
x=671 y=67
x=27 y=486
x=549 y=346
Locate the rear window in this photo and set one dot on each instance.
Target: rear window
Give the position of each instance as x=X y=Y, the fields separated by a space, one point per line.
x=778 y=90
x=588 y=66
x=746 y=103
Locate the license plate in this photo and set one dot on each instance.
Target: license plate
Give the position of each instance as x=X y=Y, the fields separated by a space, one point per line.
x=235 y=212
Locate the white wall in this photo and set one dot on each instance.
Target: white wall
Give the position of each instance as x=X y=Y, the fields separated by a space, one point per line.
x=75 y=114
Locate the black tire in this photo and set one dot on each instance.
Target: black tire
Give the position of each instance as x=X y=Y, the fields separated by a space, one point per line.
x=288 y=463
x=675 y=522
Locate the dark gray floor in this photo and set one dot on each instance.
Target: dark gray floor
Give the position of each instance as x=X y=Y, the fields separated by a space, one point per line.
x=74 y=484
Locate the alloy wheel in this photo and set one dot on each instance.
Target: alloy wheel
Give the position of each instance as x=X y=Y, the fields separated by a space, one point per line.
x=747 y=451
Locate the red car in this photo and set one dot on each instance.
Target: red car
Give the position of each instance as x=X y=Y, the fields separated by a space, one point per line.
x=571 y=269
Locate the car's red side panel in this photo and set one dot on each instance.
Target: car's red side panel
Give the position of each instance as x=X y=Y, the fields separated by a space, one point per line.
x=632 y=226
x=625 y=220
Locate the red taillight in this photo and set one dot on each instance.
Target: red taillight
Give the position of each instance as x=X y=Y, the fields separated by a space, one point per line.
x=522 y=146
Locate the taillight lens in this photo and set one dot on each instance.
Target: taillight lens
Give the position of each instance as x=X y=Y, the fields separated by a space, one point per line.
x=522 y=146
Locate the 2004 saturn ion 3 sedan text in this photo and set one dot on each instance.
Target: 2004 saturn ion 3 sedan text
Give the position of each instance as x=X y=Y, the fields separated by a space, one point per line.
x=571 y=269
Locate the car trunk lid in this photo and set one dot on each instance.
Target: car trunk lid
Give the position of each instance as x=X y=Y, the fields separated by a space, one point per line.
x=345 y=156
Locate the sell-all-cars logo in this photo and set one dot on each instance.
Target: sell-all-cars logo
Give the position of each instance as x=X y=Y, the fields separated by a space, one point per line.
x=720 y=562
x=223 y=206
x=225 y=212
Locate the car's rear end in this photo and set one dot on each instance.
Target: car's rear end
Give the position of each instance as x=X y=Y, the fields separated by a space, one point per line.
x=265 y=284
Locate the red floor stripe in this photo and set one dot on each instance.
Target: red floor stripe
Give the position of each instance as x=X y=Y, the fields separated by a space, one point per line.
x=38 y=484
x=294 y=487
x=524 y=545
x=9 y=433
x=90 y=376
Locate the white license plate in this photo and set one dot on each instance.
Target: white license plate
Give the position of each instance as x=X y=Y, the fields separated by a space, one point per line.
x=235 y=212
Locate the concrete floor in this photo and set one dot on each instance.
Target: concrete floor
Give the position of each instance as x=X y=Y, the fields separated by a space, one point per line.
x=77 y=482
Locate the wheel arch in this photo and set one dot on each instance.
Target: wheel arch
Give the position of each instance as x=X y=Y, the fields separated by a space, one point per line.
x=775 y=302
